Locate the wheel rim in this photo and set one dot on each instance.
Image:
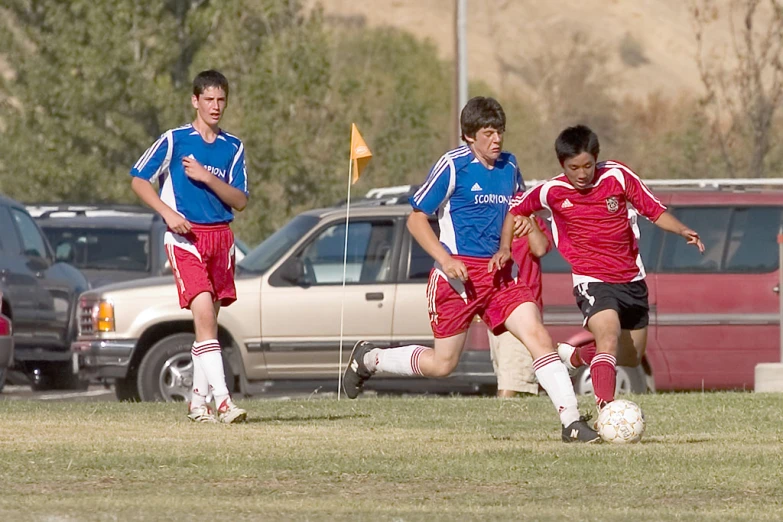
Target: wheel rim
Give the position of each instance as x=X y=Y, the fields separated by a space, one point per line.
x=176 y=378
x=584 y=384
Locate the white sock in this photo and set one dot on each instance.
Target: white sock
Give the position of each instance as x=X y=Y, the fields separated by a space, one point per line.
x=553 y=377
x=399 y=361
x=211 y=363
x=200 y=391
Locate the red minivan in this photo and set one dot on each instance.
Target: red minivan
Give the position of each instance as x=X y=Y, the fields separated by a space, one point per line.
x=713 y=317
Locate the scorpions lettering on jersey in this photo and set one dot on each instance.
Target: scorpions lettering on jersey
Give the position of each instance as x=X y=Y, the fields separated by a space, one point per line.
x=225 y=158
x=470 y=199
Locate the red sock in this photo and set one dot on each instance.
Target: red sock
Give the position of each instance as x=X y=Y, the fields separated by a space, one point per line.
x=604 y=376
x=583 y=355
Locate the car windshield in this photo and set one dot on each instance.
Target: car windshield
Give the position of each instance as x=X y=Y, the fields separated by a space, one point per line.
x=101 y=249
x=261 y=258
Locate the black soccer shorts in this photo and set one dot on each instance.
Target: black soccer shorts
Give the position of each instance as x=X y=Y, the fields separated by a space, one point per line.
x=629 y=300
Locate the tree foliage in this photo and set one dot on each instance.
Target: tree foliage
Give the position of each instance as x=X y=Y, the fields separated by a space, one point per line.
x=95 y=83
x=92 y=82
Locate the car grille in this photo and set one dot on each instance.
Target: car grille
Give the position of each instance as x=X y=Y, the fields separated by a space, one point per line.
x=87 y=316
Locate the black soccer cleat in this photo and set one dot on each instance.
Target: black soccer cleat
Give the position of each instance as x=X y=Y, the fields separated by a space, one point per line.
x=356 y=373
x=580 y=431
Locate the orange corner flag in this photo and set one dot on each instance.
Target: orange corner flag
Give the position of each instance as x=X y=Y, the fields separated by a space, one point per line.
x=360 y=153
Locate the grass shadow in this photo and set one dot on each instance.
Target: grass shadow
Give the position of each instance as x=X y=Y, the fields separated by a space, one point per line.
x=305 y=418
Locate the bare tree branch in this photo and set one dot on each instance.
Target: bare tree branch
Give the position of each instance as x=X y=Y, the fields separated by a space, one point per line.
x=743 y=99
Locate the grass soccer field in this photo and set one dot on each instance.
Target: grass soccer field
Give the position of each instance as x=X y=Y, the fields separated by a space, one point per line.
x=706 y=457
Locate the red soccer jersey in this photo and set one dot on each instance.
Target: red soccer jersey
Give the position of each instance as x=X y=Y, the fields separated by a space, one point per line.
x=529 y=266
x=590 y=227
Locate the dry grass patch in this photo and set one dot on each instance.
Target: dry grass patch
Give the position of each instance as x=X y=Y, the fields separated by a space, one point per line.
x=704 y=456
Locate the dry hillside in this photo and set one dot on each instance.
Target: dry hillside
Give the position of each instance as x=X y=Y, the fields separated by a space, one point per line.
x=648 y=45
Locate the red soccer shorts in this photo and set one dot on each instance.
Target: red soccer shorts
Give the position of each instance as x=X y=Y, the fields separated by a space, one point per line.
x=492 y=296
x=203 y=261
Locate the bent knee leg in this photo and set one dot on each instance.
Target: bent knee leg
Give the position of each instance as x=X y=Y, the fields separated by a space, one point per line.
x=442 y=367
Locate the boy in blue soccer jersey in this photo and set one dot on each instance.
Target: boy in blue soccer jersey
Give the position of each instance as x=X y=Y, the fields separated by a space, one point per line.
x=470 y=188
x=201 y=171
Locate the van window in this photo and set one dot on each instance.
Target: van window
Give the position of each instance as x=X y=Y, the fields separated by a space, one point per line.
x=420 y=263
x=369 y=260
x=101 y=248
x=649 y=239
x=712 y=224
x=736 y=240
x=8 y=241
x=553 y=263
x=262 y=257
x=33 y=243
x=752 y=243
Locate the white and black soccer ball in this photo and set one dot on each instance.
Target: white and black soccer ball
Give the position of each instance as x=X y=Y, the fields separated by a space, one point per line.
x=621 y=422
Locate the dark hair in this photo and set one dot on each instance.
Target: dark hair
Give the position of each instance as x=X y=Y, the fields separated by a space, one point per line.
x=481 y=113
x=575 y=140
x=210 y=78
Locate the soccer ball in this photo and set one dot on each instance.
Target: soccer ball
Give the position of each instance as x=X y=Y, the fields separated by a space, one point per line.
x=621 y=422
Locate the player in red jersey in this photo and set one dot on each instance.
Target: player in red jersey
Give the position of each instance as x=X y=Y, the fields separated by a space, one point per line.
x=589 y=205
x=470 y=188
x=511 y=360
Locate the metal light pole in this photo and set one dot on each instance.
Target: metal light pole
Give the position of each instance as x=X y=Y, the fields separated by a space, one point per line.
x=460 y=62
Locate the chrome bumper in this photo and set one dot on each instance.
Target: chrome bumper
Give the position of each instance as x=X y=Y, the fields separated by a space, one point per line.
x=102 y=358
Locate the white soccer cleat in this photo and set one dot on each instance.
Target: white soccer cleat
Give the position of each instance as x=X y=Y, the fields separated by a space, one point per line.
x=565 y=351
x=229 y=413
x=201 y=413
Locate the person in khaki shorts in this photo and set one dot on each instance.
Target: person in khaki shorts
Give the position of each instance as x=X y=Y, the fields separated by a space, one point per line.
x=511 y=360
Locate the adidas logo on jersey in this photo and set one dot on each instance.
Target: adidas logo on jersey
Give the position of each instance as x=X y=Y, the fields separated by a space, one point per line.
x=566 y=204
x=476 y=188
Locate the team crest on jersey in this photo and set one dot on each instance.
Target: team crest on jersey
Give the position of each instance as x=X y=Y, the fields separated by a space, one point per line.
x=611 y=204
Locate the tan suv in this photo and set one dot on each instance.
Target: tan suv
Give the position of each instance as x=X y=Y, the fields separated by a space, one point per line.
x=285 y=324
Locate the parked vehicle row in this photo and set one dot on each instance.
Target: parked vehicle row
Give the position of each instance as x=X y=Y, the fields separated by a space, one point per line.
x=713 y=317
x=6 y=347
x=39 y=295
x=40 y=285
x=108 y=243
x=286 y=323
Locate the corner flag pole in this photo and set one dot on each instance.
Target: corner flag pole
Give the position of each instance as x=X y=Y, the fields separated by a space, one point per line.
x=345 y=271
x=360 y=156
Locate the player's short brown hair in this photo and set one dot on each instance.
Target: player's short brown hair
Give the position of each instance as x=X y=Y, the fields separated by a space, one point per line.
x=209 y=78
x=481 y=113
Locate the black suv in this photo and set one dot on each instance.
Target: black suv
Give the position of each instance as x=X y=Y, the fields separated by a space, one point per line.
x=39 y=294
x=107 y=243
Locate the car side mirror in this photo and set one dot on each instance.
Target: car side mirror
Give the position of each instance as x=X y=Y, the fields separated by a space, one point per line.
x=293 y=271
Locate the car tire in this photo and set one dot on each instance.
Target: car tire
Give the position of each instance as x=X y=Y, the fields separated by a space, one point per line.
x=166 y=371
x=3 y=372
x=57 y=376
x=127 y=390
x=630 y=379
x=65 y=379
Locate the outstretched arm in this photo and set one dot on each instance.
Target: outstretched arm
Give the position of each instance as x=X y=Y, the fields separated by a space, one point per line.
x=668 y=222
x=229 y=195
